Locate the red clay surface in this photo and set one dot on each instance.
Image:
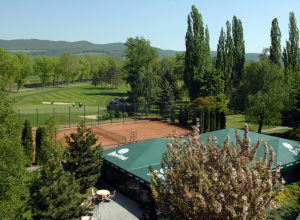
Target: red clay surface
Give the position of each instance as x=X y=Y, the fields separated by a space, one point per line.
x=144 y=129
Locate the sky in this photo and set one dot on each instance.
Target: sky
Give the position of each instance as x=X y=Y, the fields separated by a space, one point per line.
x=162 y=22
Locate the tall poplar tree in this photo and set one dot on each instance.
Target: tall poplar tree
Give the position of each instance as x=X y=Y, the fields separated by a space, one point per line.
x=229 y=59
x=238 y=48
x=221 y=59
x=196 y=56
x=290 y=52
x=207 y=55
x=275 y=48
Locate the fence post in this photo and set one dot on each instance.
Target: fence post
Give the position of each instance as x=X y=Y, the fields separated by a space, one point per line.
x=19 y=119
x=69 y=117
x=123 y=112
x=110 y=114
x=98 y=115
x=135 y=111
x=146 y=110
x=37 y=118
x=84 y=114
x=53 y=112
x=165 y=112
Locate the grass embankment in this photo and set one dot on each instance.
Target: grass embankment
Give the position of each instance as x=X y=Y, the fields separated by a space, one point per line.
x=237 y=121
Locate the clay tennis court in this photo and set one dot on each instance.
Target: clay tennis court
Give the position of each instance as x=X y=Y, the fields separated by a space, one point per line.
x=145 y=130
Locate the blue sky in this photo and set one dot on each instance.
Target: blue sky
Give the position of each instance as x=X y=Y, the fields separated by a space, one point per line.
x=163 y=22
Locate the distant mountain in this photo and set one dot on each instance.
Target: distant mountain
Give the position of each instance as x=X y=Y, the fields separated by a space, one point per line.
x=34 y=47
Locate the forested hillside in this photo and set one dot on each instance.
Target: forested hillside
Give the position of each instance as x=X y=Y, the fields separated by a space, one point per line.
x=36 y=47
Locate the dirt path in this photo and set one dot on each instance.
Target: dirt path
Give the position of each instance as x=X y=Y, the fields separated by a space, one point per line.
x=277 y=128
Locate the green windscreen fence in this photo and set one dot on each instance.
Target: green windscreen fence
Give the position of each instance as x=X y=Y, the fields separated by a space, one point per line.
x=135 y=158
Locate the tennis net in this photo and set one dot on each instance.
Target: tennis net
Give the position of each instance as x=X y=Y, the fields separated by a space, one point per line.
x=110 y=135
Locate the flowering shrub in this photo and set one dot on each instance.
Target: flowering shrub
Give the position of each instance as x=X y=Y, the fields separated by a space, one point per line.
x=210 y=181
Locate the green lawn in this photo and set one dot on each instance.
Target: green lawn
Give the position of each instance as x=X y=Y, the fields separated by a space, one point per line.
x=278 y=133
x=30 y=104
x=83 y=92
x=237 y=121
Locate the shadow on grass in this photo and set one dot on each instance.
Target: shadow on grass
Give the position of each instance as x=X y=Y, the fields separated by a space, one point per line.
x=114 y=94
x=99 y=88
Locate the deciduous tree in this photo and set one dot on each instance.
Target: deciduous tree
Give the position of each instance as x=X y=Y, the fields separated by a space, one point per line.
x=215 y=181
x=238 y=48
x=275 y=48
x=69 y=66
x=290 y=54
x=44 y=67
x=229 y=60
x=140 y=57
x=195 y=60
x=26 y=69
x=266 y=92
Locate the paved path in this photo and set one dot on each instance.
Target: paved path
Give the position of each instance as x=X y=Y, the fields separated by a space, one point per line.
x=277 y=128
x=121 y=208
x=30 y=169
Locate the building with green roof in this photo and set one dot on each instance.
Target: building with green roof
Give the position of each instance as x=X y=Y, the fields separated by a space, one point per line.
x=126 y=167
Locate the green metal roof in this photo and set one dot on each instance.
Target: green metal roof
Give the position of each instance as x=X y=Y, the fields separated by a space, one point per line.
x=135 y=158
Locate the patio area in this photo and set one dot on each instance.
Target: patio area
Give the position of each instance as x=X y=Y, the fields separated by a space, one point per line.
x=120 y=207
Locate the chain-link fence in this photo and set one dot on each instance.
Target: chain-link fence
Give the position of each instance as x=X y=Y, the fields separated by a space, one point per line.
x=68 y=117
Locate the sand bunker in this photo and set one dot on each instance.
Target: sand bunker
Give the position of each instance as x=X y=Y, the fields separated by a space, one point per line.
x=57 y=103
x=91 y=116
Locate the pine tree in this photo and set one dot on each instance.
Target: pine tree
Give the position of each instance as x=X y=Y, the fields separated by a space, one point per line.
x=81 y=159
x=218 y=119
x=223 y=120
x=180 y=115
x=206 y=119
x=54 y=194
x=238 y=48
x=96 y=79
x=185 y=115
x=275 y=48
x=290 y=54
x=166 y=99
x=212 y=120
x=172 y=117
x=172 y=79
x=46 y=142
x=12 y=160
x=201 y=119
x=27 y=142
x=42 y=148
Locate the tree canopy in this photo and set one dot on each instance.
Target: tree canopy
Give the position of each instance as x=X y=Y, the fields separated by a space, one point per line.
x=215 y=181
x=12 y=159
